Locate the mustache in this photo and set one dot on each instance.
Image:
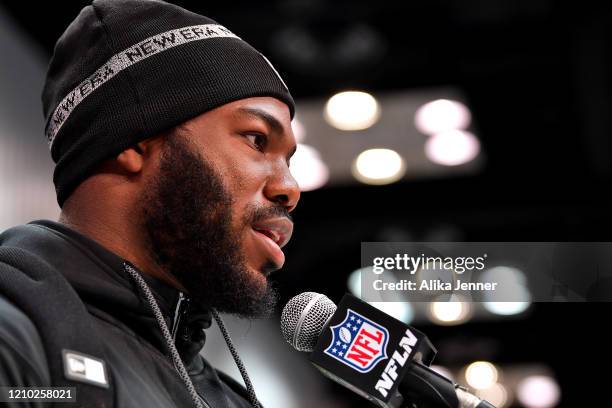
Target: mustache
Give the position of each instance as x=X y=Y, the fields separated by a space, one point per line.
x=257 y=213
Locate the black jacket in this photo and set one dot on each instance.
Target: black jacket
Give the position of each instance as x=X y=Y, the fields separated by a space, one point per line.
x=61 y=290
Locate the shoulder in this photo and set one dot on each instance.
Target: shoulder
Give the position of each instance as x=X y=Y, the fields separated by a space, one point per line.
x=23 y=359
x=21 y=348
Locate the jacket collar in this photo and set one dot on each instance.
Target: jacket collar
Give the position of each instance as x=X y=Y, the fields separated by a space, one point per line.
x=99 y=278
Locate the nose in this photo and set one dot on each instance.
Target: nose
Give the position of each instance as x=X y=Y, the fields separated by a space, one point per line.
x=282 y=188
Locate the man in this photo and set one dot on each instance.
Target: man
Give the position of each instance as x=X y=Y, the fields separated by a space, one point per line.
x=172 y=139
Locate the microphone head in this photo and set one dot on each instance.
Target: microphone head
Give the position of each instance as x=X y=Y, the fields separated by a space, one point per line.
x=304 y=318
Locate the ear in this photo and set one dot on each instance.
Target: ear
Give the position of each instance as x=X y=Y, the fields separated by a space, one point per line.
x=131 y=159
x=136 y=157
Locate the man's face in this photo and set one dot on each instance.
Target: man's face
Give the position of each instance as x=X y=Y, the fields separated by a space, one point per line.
x=217 y=212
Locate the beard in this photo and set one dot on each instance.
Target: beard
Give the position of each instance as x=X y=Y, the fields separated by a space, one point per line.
x=188 y=222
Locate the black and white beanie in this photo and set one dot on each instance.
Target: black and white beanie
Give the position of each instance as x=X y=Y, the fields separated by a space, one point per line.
x=126 y=70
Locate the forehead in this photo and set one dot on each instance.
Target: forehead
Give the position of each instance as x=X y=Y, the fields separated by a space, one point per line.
x=268 y=109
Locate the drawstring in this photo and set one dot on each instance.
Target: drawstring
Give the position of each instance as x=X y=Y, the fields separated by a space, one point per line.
x=198 y=401
x=176 y=358
x=245 y=376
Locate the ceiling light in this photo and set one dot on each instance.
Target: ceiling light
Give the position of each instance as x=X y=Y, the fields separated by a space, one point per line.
x=378 y=166
x=352 y=110
x=452 y=148
x=442 y=115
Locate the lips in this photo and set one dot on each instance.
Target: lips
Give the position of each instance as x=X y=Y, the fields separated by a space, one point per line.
x=277 y=229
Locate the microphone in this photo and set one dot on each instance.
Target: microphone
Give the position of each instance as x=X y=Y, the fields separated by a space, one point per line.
x=371 y=353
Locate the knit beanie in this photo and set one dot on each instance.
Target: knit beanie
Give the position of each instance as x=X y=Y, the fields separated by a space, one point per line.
x=126 y=70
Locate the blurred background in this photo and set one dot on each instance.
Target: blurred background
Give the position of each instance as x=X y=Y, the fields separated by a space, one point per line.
x=417 y=121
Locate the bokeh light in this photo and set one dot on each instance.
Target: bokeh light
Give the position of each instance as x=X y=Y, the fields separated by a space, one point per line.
x=452 y=147
x=481 y=375
x=378 y=166
x=442 y=115
x=496 y=394
x=538 y=391
x=452 y=312
x=308 y=168
x=352 y=110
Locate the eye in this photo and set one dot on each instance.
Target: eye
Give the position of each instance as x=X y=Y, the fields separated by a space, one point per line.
x=258 y=140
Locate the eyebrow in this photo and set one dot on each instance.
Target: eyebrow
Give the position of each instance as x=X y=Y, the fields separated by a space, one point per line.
x=270 y=120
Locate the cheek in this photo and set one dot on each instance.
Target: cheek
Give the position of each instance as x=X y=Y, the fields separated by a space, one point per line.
x=245 y=185
x=246 y=179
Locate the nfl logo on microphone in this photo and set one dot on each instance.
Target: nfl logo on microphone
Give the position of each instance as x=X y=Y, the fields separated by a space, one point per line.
x=358 y=342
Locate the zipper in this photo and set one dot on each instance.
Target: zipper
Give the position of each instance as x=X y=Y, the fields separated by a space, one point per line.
x=179 y=312
x=198 y=400
x=182 y=305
